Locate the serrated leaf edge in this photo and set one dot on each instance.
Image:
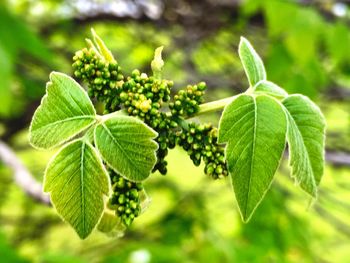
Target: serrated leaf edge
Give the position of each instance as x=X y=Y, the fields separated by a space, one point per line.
x=103 y=168
x=247 y=219
x=108 y=163
x=315 y=107
x=40 y=106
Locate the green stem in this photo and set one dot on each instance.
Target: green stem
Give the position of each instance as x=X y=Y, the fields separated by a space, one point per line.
x=111 y=115
x=210 y=106
x=214 y=105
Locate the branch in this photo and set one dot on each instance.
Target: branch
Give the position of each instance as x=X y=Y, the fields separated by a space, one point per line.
x=338 y=158
x=334 y=158
x=25 y=180
x=22 y=177
x=339 y=225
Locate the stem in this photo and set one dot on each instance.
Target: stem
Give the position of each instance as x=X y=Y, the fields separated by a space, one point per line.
x=111 y=115
x=203 y=109
x=22 y=177
x=214 y=105
x=210 y=106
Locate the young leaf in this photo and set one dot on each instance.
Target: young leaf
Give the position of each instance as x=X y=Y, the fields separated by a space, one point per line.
x=270 y=88
x=252 y=63
x=103 y=50
x=255 y=131
x=157 y=63
x=306 y=135
x=126 y=145
x=64 y=111
x=110 y=224
x=77 y=181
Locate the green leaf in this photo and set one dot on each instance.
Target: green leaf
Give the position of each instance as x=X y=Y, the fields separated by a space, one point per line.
x=109 y=221
x=254 y=128
x=21 y=37
x=103 y=50
x=269 y=88
x=252 y=63
x=157 y=63
x=110 y=224
x=126 y=145
x=306 y=136
x=65 y=111
x=77 y=183
x=6 y=70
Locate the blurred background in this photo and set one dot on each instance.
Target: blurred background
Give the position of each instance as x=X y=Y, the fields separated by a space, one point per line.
x=306 y=48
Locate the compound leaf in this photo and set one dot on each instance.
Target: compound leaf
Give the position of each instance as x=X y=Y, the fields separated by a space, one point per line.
x=64 y=111
x=77 y=182
x=126 y=145
x=306 y=136
x=255 y=131
x=270 y=88
x=252 y=63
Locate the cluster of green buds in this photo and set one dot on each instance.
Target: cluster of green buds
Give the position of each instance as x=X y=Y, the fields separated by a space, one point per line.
x=97 y=67
x=200 y=142
x=143 y=96
x=186 y=101
x=166 y=140
x=125 y=200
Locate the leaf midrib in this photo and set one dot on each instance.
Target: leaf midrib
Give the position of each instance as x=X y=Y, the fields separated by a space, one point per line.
x=251 y=62
x=65 y=120
x=252 y=159
x=76 y=102
x=82 y=185
x=119 y=146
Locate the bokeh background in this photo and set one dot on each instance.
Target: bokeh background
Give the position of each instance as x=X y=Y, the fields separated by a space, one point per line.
x=306 y=48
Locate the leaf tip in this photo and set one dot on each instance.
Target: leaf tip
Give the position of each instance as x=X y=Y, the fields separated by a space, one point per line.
x=246 y=219
x=242 y=40
x=157 y=62
x=159 y=50
x=55 y=74
x=83 y=235
x=102 y=48
x=251 y=61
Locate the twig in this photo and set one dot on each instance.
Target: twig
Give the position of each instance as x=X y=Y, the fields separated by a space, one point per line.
x=338 y=158
x=22 y=177
x=25 y=180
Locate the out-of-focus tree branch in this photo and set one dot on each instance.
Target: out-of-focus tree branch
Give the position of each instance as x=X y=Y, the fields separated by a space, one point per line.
x=338 y=158
x=22 y=177
x=25 y=180
x=341 y=226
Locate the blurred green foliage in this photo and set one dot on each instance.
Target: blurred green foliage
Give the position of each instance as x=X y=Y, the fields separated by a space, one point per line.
x=18 y=42
x=191 y=218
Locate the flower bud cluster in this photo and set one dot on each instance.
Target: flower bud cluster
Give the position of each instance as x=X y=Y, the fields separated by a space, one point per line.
x=125 y=200
x=104 y=78
x=200 y=142
x=143 y=96
x=186 y=101
x=166 y=140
